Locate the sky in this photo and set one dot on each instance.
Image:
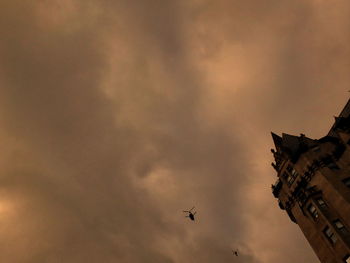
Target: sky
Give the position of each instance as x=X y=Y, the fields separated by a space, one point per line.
x=117 y=115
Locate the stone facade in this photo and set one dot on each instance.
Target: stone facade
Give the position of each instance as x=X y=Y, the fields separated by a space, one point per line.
x=313 y=187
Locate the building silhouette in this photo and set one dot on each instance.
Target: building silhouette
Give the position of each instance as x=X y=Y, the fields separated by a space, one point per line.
x=313 y=187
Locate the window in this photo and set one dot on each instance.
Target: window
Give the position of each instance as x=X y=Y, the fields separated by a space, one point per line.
x=307 y=174
x=316 y=149
x=302 y=198
x=330 y=235
x=294 y=173
x=339 y=225
x=321 y=202
x=291 y=175
x=290 y=179
x=313 y=211
x=347 y=259
x=347 y=182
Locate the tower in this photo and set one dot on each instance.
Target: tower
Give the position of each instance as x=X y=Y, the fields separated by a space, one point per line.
x=313 y=187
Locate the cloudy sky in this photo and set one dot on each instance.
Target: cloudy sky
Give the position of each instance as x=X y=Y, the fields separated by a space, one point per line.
x=117 y=115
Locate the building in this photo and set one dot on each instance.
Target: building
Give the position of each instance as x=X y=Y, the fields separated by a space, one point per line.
x=313 y=187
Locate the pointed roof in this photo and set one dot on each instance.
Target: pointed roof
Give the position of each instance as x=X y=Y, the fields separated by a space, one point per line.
x=277 y=140
x=292 y=146
x=343 y=118
x=346 y=111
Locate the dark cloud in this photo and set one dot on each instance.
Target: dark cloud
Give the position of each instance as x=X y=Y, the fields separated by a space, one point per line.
x=116 y=116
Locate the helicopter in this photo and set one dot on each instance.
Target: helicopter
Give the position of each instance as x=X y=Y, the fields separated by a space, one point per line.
x=190 y=214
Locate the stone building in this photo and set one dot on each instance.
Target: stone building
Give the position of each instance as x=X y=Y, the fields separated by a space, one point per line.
x=313 y=187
